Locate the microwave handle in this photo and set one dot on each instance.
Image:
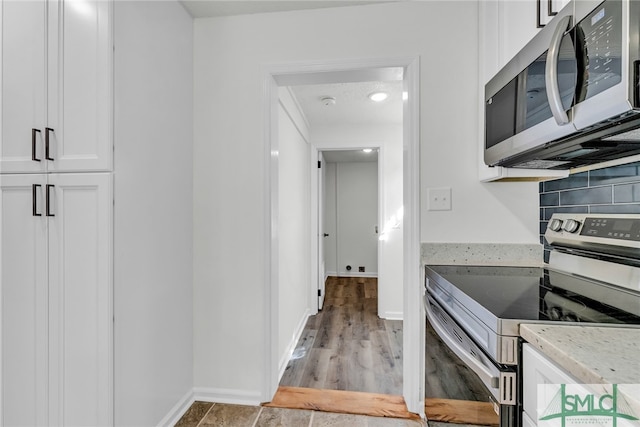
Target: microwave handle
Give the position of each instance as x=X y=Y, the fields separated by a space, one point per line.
x=551 y=72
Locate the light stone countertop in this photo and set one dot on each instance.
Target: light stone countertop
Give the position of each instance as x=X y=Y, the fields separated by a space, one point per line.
x=509 y=254
x=593 y=355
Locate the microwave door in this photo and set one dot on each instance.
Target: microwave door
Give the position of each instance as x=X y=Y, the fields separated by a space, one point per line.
x=549 y=87
x=604 y=91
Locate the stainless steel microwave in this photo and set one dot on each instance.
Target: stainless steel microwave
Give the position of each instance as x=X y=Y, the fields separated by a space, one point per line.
x=571 y=97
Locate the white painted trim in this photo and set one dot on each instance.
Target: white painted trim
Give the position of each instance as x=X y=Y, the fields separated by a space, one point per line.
x=291 y=106
x=413 y=344
x=228 y=395
x=381 y=216
x=180 y=408
x=314 y=221
x=357 y=274
x=391 y=315
x=286 y=356
x=271 y=239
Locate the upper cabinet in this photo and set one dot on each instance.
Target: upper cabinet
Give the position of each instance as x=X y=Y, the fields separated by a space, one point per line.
x=505 y=27
x=56 y=95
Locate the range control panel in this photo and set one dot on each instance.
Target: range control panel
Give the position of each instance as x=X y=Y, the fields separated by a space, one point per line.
x=608 y=233
x=612 y=228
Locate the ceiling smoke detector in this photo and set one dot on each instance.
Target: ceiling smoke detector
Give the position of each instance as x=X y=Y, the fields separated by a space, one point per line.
x=328 y=100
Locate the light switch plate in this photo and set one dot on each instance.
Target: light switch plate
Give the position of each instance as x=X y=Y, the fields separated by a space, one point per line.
x=439 y=199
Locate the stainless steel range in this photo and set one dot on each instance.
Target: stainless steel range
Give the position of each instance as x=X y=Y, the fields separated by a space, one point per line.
x=592 y=278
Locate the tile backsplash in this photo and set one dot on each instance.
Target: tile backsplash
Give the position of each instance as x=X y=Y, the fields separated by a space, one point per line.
x=609 y=190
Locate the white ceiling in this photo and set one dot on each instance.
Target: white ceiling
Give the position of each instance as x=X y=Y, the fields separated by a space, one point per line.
x=213 y=8
x=352 y=106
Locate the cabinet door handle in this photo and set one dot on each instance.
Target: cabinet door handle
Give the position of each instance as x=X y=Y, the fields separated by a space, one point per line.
x=48 y=208
x=34 y=199
x=538 y=11
x=46 y=143
x=33 y=144
x=550 y=11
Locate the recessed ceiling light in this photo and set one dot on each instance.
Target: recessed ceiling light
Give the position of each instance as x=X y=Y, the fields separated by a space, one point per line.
x=367 y=150
x=378 y=96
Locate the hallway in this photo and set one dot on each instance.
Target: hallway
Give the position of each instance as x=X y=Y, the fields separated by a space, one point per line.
x=346 y=346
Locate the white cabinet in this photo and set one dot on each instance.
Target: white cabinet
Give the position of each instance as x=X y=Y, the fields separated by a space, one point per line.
x=55 y=291
x=537 y=369
x=56 y=89
x=24 y=303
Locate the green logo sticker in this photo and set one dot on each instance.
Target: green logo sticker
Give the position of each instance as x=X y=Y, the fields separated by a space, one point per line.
x=573 y=404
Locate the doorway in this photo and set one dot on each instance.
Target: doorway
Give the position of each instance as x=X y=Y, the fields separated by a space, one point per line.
x=349 y=191
x=337 y=72
x=346 y=345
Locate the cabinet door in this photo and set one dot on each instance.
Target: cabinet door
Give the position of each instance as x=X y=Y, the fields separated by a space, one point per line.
x=518 y=27
x=23 y=302
x=538 y=370
x=80 y=282
x=23 y=76
x=80 y=85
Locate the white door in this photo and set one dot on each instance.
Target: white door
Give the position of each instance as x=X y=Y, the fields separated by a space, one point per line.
x=80 y=276
x=79 y=85
x=321 y=229
x=23 y=299
x=22 y=94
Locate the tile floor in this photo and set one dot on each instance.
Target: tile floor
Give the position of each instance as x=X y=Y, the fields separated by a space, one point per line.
x=203 y=414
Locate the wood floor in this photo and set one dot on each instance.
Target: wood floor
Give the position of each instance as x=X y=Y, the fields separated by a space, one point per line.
x=346 y=346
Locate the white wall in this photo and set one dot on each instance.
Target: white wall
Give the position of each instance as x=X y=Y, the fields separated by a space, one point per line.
x=153 y=261
x=357 y=216
x=294 y=229
x=229 y=156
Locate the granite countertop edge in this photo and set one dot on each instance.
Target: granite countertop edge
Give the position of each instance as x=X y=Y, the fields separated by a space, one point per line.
x=593 y=355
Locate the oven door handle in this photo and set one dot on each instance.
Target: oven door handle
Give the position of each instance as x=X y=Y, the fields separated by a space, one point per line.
x=486 y=376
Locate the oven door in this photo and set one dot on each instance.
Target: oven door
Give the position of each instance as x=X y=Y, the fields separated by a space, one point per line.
x=499 y=382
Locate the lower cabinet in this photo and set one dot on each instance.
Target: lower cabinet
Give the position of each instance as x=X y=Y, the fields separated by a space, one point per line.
x=538 y=370
x=56 y=312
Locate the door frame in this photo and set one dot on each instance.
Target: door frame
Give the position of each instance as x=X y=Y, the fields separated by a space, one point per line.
x=288 y=74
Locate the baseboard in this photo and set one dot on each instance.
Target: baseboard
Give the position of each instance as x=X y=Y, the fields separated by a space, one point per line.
x=180 y=408
x=286 y=356
x=226 y=395
x=356 y=274
x=391 y=315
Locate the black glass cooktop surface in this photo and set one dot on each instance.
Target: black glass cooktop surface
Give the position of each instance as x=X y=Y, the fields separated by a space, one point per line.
x=532 y=293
